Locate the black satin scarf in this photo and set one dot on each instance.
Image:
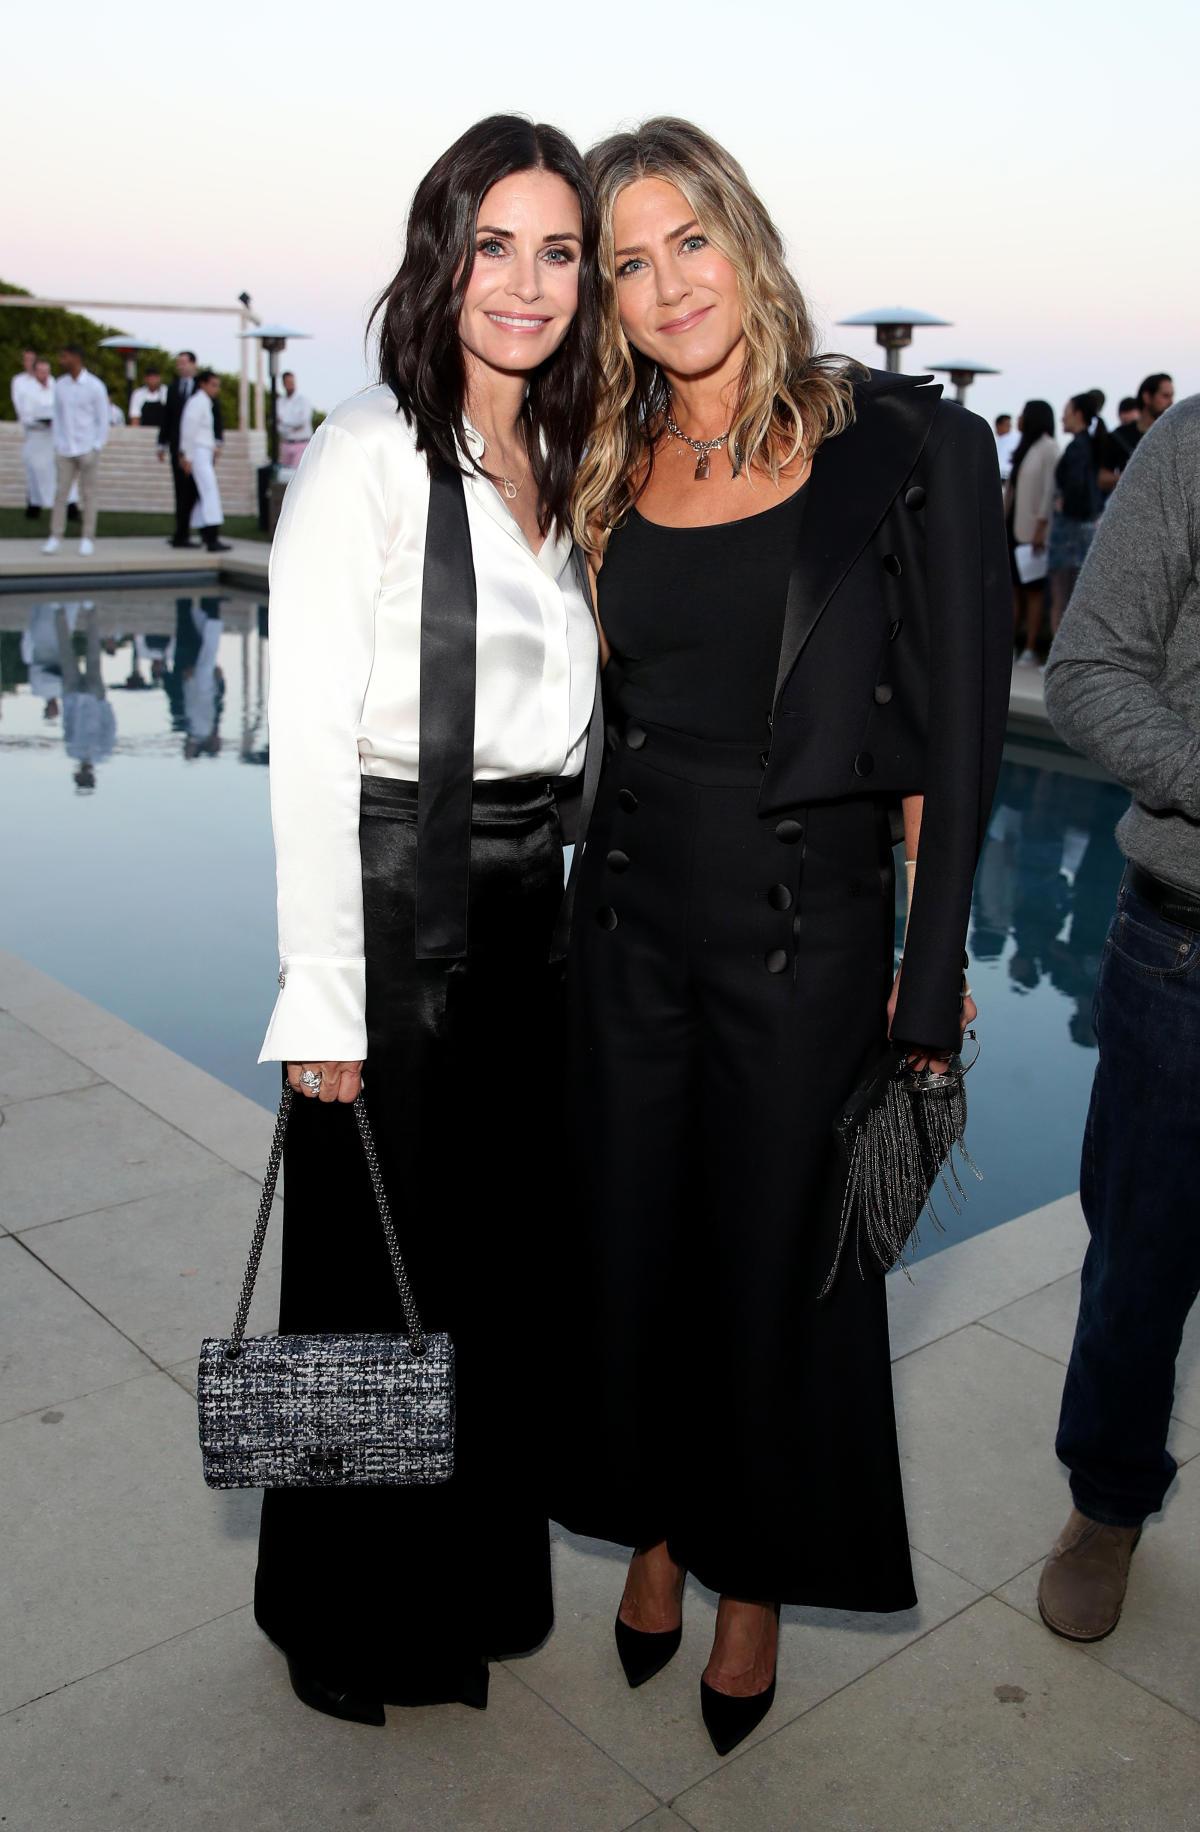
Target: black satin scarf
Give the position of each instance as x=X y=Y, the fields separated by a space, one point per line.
x=447 y=733
x=447 y=724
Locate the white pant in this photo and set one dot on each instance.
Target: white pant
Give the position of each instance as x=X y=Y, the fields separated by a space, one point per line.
x=208 y=512
x=41 y=475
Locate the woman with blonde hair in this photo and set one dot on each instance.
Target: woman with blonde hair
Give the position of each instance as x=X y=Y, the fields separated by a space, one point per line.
x=802 y=587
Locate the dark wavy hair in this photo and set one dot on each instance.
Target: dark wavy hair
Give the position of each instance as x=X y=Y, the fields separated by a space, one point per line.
x=1037 y=419
x=420 y=355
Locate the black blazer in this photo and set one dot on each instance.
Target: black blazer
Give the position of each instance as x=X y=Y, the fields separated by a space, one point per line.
x=896 y=659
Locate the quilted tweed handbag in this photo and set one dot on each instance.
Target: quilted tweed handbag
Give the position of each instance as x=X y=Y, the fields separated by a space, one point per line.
x=326 y=1411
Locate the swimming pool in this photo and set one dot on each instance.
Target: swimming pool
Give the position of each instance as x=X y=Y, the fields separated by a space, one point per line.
x=135 y=834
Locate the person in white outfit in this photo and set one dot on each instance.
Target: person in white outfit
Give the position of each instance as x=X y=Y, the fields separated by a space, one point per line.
x=80 y=435
x=197 y=456
x=148 y=404
x=17 y=388
x=35 y=410
x=293 y=420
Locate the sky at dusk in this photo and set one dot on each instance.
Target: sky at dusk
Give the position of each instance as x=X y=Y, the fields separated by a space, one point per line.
x=1027 y=171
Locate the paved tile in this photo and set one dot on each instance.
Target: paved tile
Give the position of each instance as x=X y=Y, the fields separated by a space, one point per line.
x=127 y=554
x=661 y=1821
x=111 y=1541
x=53 y=1347
x=69 y=1154
x=988 y=1723
x=656 y=1732
x=168 y=1270
x=204 y=1733
x=29 y=1066
x=977 y=1415
x=1157 y=1641
x=958 y=1285
x=235 y=1129
x=1046 y=1321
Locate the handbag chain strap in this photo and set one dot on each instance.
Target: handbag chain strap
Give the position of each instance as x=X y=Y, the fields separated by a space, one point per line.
x=412 y=1319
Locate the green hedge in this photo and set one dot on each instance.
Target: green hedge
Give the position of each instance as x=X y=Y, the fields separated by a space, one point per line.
x=46 y=330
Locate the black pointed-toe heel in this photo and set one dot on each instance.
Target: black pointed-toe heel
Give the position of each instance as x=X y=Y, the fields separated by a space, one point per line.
x=643 y=1655
x=729 y=1721
x=314 y=1693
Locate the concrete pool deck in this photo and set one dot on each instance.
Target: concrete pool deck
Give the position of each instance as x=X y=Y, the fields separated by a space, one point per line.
x=135 y=1689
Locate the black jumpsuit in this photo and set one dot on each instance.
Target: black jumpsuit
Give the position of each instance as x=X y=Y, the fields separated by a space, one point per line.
x=727 y=984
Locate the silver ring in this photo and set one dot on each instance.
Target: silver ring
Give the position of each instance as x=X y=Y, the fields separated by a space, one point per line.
x=311 y=1078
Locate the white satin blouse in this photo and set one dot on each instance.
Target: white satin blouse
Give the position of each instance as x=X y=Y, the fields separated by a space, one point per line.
x=346 y=570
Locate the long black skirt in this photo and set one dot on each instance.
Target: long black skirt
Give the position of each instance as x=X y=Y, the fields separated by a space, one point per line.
x=727 y=985
x=397 y=1593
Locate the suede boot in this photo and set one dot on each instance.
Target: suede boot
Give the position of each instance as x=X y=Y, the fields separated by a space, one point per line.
x=1082 y=1586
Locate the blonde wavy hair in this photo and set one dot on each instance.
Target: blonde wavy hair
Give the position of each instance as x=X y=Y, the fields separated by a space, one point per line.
x=791 y=397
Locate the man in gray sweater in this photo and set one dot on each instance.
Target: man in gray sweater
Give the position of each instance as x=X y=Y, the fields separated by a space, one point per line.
x=1123 y=687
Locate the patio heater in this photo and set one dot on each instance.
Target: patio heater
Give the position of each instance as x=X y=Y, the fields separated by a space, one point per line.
x=962 y=374
x=894 y=326
x=129 y=348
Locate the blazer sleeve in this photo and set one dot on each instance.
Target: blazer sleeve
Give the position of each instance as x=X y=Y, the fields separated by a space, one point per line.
x=970 y=670
x=326 y=566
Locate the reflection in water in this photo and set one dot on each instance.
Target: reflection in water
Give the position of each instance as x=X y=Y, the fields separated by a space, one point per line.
x=1046 y=882
x=89 y=723
x=184 y=855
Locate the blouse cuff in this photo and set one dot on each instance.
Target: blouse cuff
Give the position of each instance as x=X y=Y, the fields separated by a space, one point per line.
x=320 y=1014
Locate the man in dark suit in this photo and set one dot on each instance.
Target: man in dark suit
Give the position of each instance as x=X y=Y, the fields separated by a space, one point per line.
x=168 y=442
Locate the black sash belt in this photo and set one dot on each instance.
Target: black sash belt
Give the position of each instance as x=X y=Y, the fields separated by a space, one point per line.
x=447 y=723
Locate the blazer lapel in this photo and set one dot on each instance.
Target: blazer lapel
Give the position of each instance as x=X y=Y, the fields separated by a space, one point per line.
x=854 y=478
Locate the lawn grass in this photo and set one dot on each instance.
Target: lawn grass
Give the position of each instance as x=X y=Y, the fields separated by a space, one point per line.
x=113 y=523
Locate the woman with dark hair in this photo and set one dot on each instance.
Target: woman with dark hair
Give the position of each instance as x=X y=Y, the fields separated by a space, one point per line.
x=802 y=581
x=433 y=681
x=1028 y=506
x=1078 y=505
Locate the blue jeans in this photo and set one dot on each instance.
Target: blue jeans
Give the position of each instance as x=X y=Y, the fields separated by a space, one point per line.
x=1140 y=1188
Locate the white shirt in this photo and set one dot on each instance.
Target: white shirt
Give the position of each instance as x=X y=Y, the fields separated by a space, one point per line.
x=22 y=383
x=34 y=402
x=293 y=416
x=196 y=425
x=140 y=396
x=1006 y=445
x=80 y=414
x=346 y=572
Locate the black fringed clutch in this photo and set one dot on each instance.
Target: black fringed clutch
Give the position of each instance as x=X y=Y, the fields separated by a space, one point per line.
x=899 y=1130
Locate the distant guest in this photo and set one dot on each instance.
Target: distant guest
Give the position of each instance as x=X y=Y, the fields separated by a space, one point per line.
x=148 y=405
x=178 y=395
x=116 y=415
x=1154 y=397
x=293 y=421
x=17 y=389
x=35 y=410
x=199 y=446
x=80 y=435
x=1007 y=441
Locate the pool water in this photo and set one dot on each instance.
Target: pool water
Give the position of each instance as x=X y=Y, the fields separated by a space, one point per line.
x=135 y=834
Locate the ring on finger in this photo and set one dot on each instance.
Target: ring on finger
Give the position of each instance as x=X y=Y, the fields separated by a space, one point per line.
x=311 y=1078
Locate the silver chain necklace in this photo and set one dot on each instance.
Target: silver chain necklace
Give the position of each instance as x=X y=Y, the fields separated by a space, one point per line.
x=701 y=447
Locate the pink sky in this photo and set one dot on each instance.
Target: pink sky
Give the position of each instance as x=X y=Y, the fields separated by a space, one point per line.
x=1026 y=171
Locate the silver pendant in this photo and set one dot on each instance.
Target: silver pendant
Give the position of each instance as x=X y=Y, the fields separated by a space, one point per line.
x=510 y=490
x=701 y=468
